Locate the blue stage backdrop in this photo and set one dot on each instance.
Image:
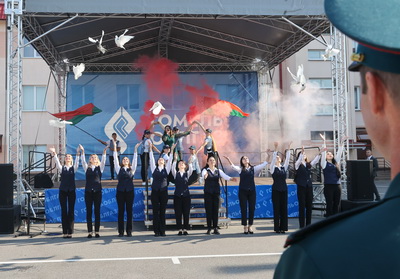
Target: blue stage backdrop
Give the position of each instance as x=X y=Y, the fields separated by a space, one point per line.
x=121 y=97
x=109 y=209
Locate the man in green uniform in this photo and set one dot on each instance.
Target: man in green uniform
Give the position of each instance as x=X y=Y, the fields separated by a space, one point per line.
x=365 y=242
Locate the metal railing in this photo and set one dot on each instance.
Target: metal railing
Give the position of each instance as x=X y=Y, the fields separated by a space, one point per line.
x=43 y=165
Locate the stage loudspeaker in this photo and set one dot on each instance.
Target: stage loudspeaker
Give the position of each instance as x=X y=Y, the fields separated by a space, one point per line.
x=43 y=180
x=6 y=185
x=10 y=219
x=359 y=180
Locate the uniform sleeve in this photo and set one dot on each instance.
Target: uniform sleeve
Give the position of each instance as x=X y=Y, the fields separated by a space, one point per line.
x=174 y=169
x=76 y=164
x=84 y=164
x=339 y=154
x=287 y=160
x=57 y=161
x=316 y=160
x=103 y=162
x=152 y=162
x=203 y=173
x=299 y=160
x=260 y=166
x=224 y=175
x=296 y=264
x=134 y=162
x=117 y=166
x=236 y=168
x=323 y=158
x=273 y=161
x=190 y=171
x=168 y=165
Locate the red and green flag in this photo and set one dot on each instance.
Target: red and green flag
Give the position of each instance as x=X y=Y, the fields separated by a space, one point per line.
x=79 y=114
x=235 y=110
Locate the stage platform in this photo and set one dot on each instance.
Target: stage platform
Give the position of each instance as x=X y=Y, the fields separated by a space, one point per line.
x=230 y=201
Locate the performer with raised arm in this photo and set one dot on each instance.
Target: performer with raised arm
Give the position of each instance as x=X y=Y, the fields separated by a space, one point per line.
x=182 y=200
x=330 y=165
x=144 y=156
x=247 y=189
x=304 y=186
x=67 y=191
x=212 y=189
x=195 y=163
x=280 y=190
x=179 y=139
x=159 y=191
x=113 y=144
x=125 y=191
x=209 y=145
x=93 y=189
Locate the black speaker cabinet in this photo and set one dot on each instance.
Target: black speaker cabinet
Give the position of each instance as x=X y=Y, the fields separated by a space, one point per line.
x=6 y=185
x=43 y=180
x=359 y=180
x=10 y=219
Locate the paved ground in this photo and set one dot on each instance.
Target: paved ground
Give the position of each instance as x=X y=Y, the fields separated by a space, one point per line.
x=231 y=254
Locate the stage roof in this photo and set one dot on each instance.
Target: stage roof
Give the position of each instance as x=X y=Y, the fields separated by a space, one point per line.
x=208 y=35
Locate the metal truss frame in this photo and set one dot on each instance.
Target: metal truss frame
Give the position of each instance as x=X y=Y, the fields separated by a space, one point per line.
x=340 y=98
x=163 y=37
x=13 y=11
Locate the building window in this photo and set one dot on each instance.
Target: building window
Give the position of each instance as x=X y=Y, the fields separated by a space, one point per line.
x=315 y=135
x=323 y=83
x=37 y=155
x=82 y=95
x=29 y=51
x=34 y=98
x=357 y=98
x=128 y=96
x=315 y=54
x=324 y=110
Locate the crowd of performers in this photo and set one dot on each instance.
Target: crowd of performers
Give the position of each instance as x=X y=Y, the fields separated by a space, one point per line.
x=171 y=170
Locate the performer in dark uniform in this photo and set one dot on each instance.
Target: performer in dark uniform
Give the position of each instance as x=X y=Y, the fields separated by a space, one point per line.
x=212 y=190
x=330 y=165
x=182 y=201
x=304 y=186
x=144 y=156
x=67 y=193
x=125 y=191
x=93 y=189
x=159 y=191
x=247 y=190
x=361 y=243
x=375 y=166
x=280 y=190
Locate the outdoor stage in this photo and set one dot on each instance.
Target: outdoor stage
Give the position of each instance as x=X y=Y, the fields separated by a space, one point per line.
x=109 y=208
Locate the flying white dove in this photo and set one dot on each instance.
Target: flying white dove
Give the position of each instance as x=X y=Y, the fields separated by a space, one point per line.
x=99 y=42
x=330 y=52
x=299 y=78
x=156 y=108
x=120 y=41
x=59 y=123
x=78 y=70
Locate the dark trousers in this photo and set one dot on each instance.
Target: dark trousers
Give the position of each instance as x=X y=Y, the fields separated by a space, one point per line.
x=305 y=198
x=377 y=196
x=159 y=200
x=144 y=158
x=182 y=207
x=247 y=198
x=211 y=203
x=93 y=198
x=67 y=203
x=125 y=202
x=112 y=165
x=332 y=193
x=280 y=204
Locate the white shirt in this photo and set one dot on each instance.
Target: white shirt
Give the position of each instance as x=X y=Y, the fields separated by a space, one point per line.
x=153 y=163
x=117 y=166
x=59 y=166
x=338 y=156
x=273 y=162
x=221 y=173
x=102 y=163
x=300 y=161
x=256 y=168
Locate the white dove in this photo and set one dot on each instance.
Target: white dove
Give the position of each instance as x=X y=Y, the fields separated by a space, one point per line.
x=99 y=42
x=330 y=52
x=299 y=78
x=59 y=123
x=123 y=39
x=78 y=70
x=156 y=108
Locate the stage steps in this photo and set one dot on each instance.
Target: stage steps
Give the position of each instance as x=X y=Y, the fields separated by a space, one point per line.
x=197 y=212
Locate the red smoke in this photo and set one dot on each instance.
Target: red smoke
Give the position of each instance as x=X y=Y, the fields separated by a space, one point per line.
x=145 y=119
x=202 y=103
